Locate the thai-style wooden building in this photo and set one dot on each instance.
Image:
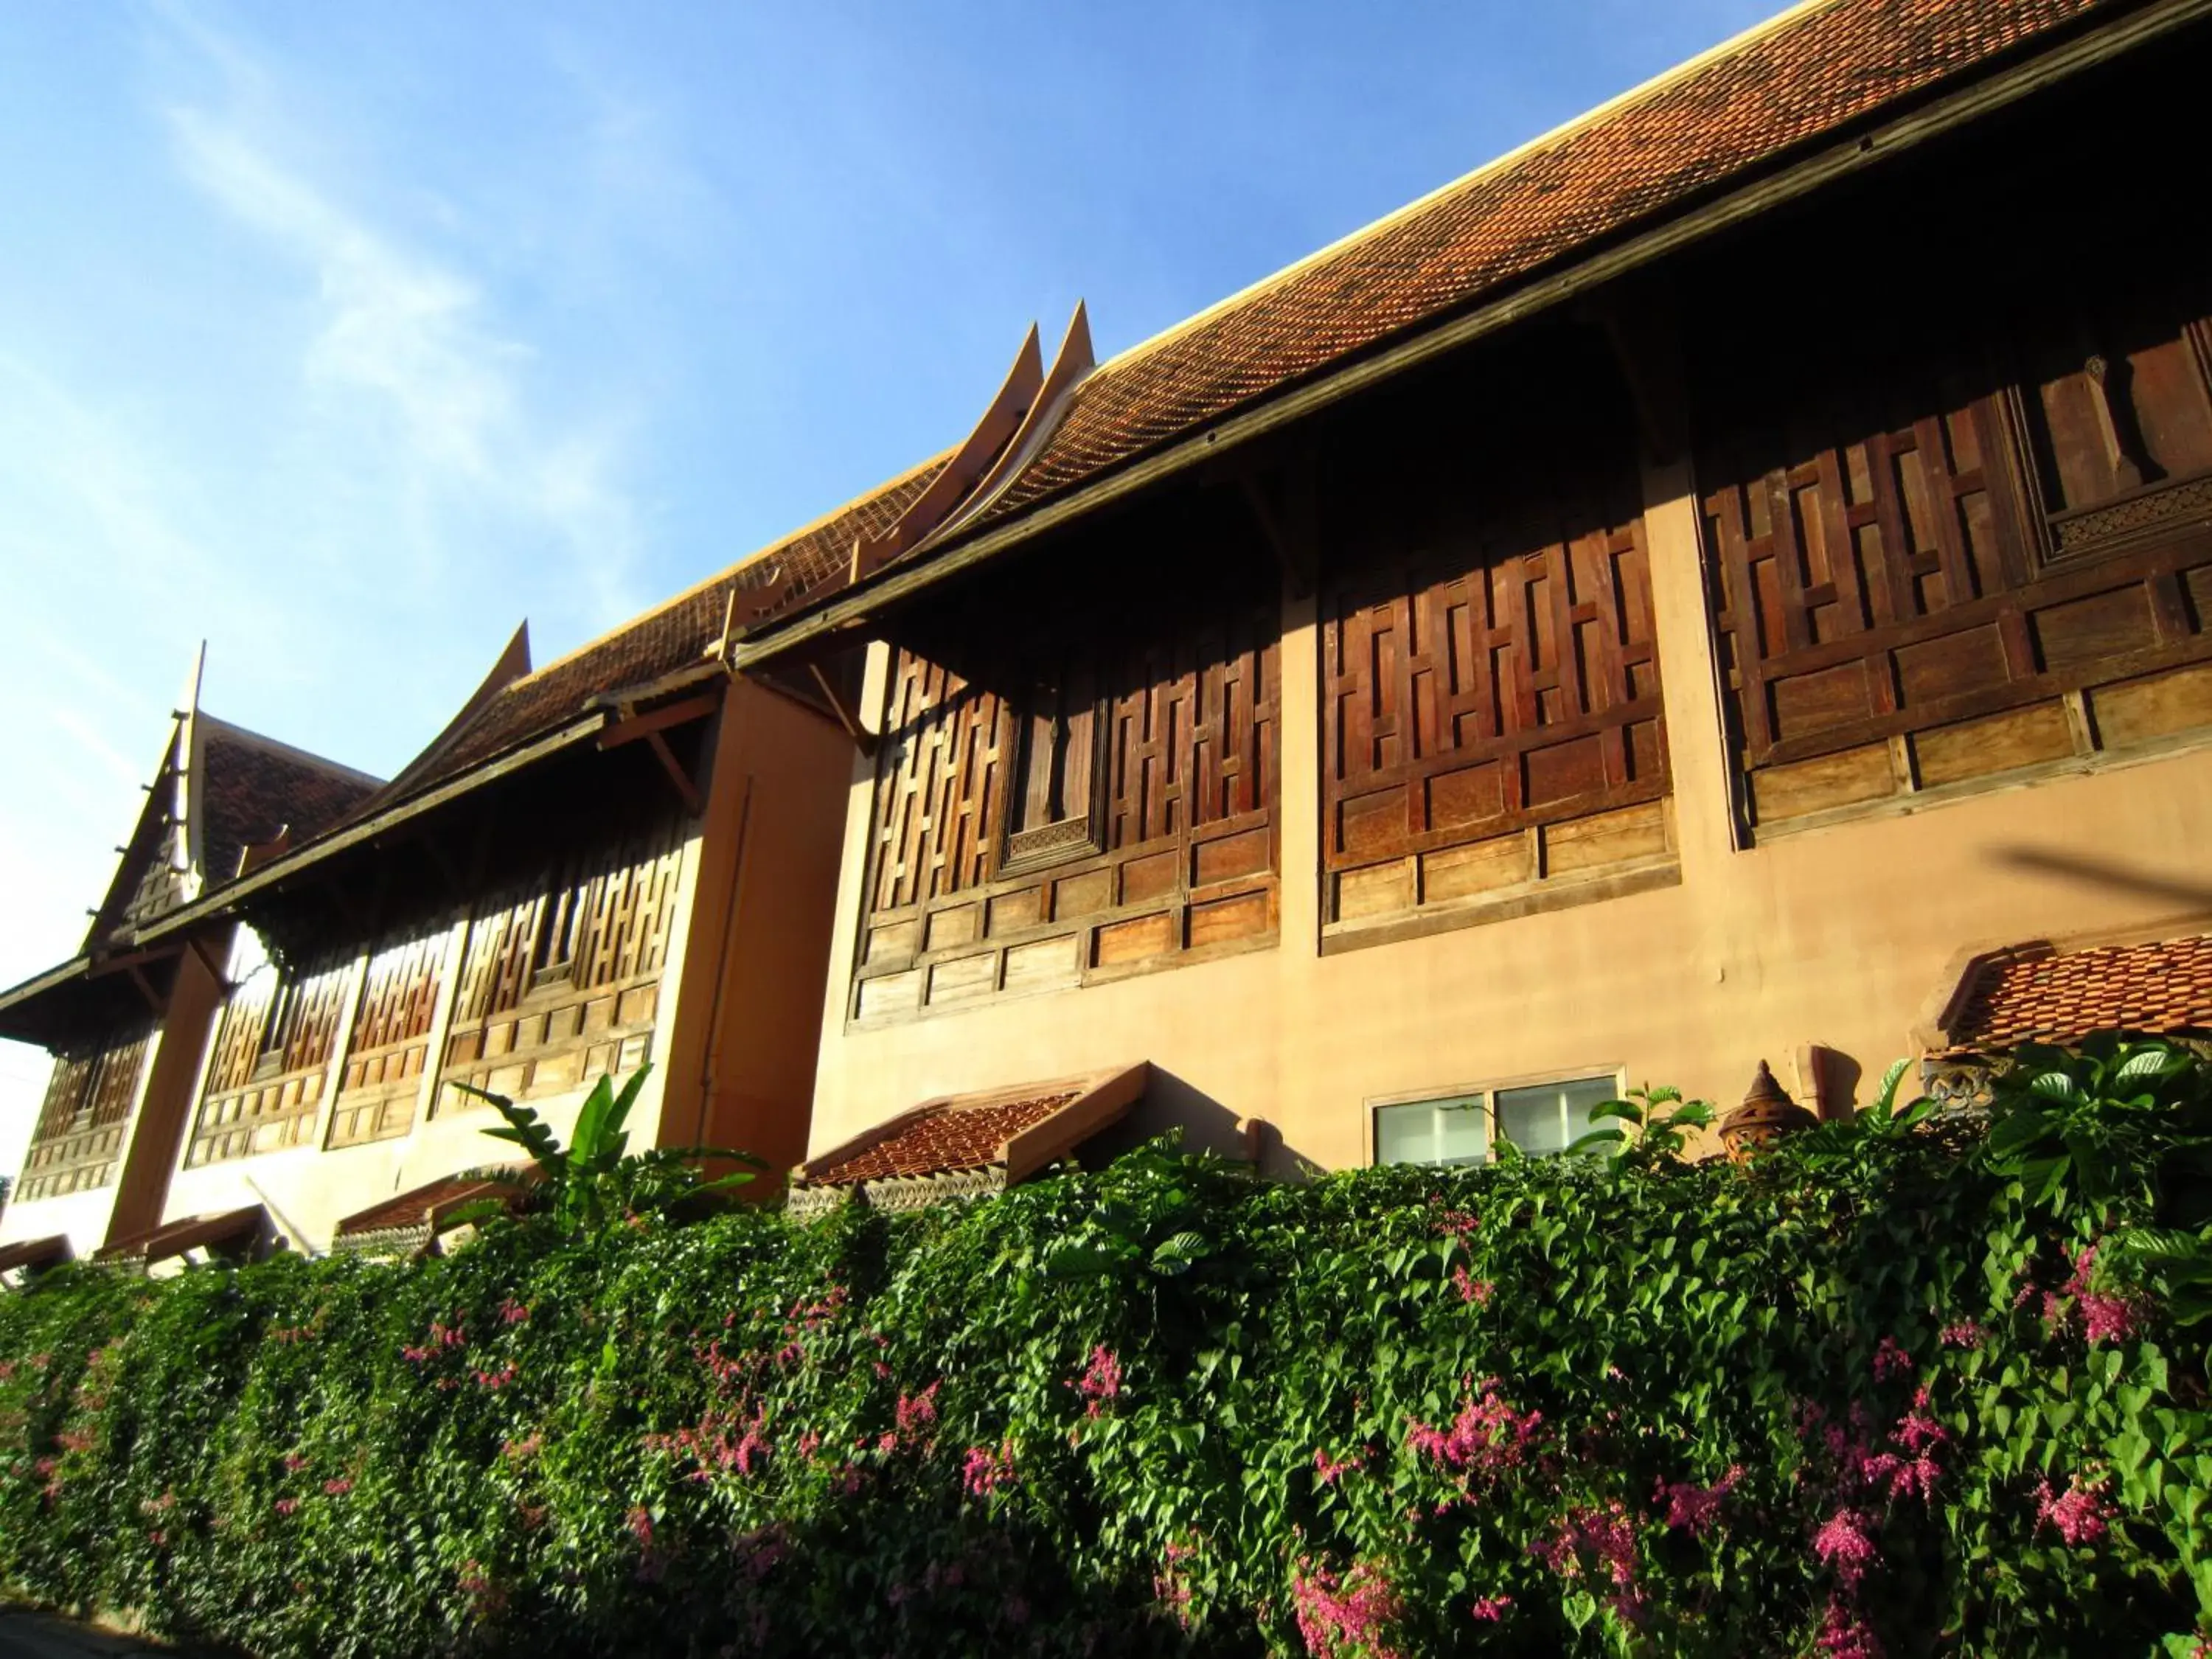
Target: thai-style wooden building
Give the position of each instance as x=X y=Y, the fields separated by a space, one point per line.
x=625 y=858
x=1685 y=594
x=1729 y=581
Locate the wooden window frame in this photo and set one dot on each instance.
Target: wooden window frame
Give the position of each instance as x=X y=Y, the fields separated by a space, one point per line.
x=1072 y=835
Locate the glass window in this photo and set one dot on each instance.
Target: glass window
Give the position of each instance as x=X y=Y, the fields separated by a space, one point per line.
x=1455 y=1131
x=1540 y=1119
x=1549 y=1117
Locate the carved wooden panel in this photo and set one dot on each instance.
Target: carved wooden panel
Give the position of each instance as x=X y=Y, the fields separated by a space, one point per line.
x=970 y=897
x=84 y=1118
x=1957 y=577
x=561 y=982
x=1491 y=710
x=272 y=1057
x=390 y=1044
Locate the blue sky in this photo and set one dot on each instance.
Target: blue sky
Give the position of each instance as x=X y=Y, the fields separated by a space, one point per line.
x=346 y=337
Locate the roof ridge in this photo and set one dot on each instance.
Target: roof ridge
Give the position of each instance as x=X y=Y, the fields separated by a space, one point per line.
x=1650 y=87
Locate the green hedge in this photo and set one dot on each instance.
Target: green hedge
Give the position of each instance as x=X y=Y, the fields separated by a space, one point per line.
x=1894 y=1389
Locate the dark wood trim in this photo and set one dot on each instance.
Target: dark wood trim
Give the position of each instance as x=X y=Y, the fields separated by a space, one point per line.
x=1338 y=937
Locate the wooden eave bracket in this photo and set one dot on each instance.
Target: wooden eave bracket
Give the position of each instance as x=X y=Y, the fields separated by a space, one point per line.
x=1640 y=330
x=847 y=716
x=198 y=947
x=1284 y=501
x=651 y=727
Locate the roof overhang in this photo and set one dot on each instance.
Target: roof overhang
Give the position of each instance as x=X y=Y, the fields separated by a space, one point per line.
x=411 y=1223
x=690 y=693
x=30 y=1255
x=230 y=1232
x=1079 y=1107
x=86 y=993
x=838 y=620
x=226 y=900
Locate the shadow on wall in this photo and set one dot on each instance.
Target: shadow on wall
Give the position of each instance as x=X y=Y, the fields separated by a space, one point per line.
x=1208 y=1126
x=2103 y=872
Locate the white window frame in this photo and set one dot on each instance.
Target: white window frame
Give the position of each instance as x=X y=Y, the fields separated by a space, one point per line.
x=1488 y=1090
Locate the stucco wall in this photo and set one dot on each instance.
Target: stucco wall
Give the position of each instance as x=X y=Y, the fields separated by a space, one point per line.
x=1839 y=936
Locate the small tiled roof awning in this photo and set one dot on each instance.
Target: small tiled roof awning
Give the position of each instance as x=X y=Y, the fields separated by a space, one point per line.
x=34 y=1252
x=2037 y=993
x=963 y=1146
x=231 y=1230
x=409 y=1222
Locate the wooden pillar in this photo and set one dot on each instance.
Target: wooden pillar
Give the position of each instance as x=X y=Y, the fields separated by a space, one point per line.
x=1689 y=672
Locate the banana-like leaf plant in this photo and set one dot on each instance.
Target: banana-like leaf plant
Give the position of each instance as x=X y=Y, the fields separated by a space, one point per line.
x=596 y=1179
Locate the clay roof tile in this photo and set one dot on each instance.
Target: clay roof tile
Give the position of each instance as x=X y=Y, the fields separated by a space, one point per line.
x=2163 y=987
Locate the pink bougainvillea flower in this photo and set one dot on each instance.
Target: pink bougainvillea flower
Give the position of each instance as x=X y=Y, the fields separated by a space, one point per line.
x=1843 y=1546
x=1604 y=1536
x=2079 y=1513
x=1457 y=1223
x=285 y=1505
x=1890 y=1360
x=1477 y=1291
x=988 y=1469
x=1960 y=1334
x=1342 y=1617
x=1693 y=1507
x=1486 y=1438
x=1330 y=1468
x=338 y=1488
x=1101 y=1384
x=1489 y=1609
x=1846 y=1635
x=917 y=1412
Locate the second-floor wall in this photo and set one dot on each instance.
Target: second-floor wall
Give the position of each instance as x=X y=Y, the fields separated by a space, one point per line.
x=1680 y=682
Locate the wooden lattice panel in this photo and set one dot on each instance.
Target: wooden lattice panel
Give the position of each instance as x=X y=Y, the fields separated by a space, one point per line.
x=272 y=1058
x=83 y=1119
x=1957 y=588
x=390 y=1044
x=1493 y=722
x=562 y=983
x=1178 y=863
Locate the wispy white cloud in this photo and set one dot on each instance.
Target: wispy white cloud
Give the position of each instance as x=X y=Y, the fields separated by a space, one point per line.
x=407 y=346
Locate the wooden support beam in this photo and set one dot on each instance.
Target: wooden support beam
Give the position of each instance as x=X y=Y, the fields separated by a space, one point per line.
x=631 y=727
x=154 y=1001
x=198 y=947
x=450 y=872
x=1640 y=330
x=688 y=791
x=1283 y=500
x=863 y=739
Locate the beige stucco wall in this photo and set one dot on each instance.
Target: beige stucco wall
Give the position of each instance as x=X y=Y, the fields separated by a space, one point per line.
x=1839 y=936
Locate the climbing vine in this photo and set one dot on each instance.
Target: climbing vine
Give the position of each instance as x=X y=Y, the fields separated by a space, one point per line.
x=1903 y=1385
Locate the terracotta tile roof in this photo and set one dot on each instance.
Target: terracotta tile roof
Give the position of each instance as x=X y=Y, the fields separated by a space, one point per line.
x=672 y=636
x=253 y=786
x=2162 y=988
x=940 y=1141
x=230 y=1230
x=419 y=1207
x=1801 y=79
